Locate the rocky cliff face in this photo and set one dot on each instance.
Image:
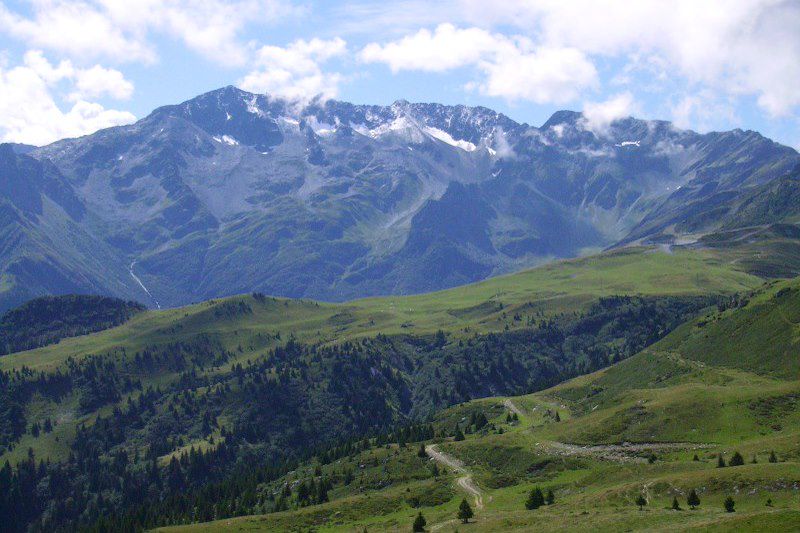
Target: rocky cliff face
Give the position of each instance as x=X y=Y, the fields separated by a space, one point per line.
x=235 y=192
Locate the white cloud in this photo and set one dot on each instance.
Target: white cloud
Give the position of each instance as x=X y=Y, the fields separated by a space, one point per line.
x=512 y=67
x=295 y=71
x=703 y=111
x=98 y=81
x=445 y=48
x=90 y=82
x=543 y=75
x=735 y=47
x=598 y=116
x=76 y=29
x=30 y=114
x=122 y=30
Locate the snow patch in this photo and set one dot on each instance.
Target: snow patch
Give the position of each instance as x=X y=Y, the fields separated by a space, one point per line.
x=400 y=125
x=252 y=107
x=226 y=139
x=320 y=128
x=289 y=120
x=447 y=138
x=628 y=143
x=228 y=116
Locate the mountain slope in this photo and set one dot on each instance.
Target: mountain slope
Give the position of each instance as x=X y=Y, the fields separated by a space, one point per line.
x=253 y=380
x=232 y=192
x=654 y=425
x=45 y=246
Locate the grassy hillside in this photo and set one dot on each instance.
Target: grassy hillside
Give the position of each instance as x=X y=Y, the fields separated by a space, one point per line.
x=185 y=405
x=653 y=425
x=562 y=287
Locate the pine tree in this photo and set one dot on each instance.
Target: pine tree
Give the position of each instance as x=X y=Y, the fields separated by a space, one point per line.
x=558 y=417
x=535 y=499
x=693 y=499
x=772 y=457
x=675 y=505
x=695 y=458
x=419 y=523
x=729 y=505
x=736 y=460
x=465 y=511
x=720 y=461
x=421 y=452
x=551 y=498
x=457 y=435
x=769 y=502
x=641 y=501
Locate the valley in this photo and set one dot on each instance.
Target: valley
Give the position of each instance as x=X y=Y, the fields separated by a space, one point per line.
x=356 y=317
x=185 y=387
x=652 y=425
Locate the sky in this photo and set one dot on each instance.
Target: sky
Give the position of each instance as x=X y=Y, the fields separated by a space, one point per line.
x=69 y=68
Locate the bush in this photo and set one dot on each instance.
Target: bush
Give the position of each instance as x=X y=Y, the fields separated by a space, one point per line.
x=729 y=505
x=535 y=499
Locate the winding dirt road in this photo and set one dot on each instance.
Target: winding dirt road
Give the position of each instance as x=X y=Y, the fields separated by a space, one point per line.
x=465 y=482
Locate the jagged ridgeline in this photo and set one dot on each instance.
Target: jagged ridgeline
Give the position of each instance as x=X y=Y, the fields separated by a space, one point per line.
x=232 y=192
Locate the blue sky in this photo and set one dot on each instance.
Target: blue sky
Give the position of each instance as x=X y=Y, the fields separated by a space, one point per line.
x=68 y=68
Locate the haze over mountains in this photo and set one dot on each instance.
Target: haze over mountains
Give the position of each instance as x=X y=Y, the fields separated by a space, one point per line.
x=233 y=192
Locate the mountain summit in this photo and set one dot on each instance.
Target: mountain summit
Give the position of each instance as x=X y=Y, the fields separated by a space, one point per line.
x=235 y=192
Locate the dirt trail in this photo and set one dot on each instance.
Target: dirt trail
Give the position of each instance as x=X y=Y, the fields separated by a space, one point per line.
x=511 y=406
x=622 y=453
x=465 y=482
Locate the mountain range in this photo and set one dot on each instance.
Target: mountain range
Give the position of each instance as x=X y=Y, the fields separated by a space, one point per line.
x=233 y=192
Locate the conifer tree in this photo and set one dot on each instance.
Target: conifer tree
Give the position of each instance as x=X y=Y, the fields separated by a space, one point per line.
x=551 y=498
x=720 y=461
x=458 y=435
x=693 y=500
x=641 y=501
x=535 y=499
x=419 y=523
x=730 y=505
x=675 y=505
x=772 y=457
x=465 y=511
x=736 y=460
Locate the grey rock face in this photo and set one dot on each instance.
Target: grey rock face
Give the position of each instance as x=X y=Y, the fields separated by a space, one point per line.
x=234 y=192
